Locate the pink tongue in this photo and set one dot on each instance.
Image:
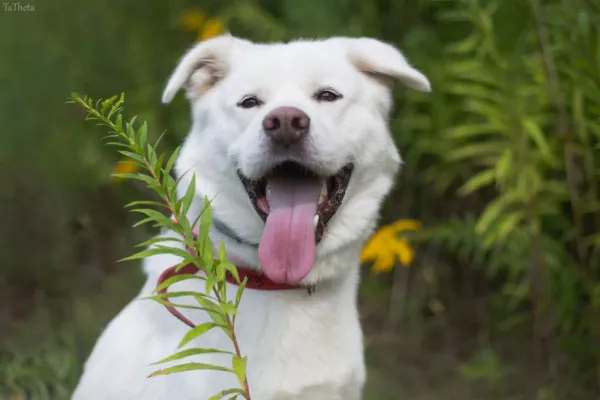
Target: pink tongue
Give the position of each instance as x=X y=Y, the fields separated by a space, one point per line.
x=287 y=247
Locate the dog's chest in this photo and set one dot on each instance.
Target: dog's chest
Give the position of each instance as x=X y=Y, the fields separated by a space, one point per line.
x=297 y=352
x=299 y=346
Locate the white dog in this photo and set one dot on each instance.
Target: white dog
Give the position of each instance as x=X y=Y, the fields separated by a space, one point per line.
x=291 y=141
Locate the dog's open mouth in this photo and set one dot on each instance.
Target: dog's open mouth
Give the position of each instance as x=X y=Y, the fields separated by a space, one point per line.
x=296 y=205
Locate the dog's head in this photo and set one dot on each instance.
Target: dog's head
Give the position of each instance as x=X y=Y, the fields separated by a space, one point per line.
x=291 y=142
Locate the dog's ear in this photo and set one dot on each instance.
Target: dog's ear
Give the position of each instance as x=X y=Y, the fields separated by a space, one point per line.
x=384 y=62
x=202 y=67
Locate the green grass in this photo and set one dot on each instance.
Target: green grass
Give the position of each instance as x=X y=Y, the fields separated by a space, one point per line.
x=41 y=358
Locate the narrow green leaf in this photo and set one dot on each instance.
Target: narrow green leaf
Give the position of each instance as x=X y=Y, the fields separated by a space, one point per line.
x=467 y=45
x=117 y=144
x=159 y=139
x=229 y=308
x=133 y=156
x=177 y=278
x=232 y=269
x=240 y=291
x=143 y=254
x=471 y=131
x=220 y=271
x=536 y=134
x=129 y=127
x=195 y=224
x=208 y=253
x=190 y=259
x=142 y=135
x=191 y=352
x=493 y=211
x=152 y=158
x=182 y=177
x=143 y=221
x=171 y=161
x=503 y=164
x=507 y=224
x=189 y=367
x=146 y=203
x=222 y=288
x=187 y=199
x=164 y=302
x=158 y=165
x=196 y=332
x=176 y=251
x=214 y=311
x=489 y=148
x=222 y=253
x=227 y=392
x=184 y=293
x=140 y=177
x=210 y=283
x=239 y=367
x=170 y=187
x=159 y=250
x=205 y=219
x=156 y=240
x=119 y=123
x=208 y=303
x=480 y=180
x=159 y=217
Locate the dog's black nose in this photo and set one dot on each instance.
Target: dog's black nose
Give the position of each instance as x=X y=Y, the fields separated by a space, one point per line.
x=286 y=125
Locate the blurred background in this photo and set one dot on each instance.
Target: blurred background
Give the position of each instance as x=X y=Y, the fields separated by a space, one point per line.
x=484 y=280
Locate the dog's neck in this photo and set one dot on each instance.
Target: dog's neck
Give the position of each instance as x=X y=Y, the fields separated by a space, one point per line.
x=228 y=231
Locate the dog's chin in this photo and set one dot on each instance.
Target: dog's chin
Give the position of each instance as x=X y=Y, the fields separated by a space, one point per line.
x=296 y=205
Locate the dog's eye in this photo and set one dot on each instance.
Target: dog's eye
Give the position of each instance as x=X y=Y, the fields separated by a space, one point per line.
x=327 y=95
x=249 y=102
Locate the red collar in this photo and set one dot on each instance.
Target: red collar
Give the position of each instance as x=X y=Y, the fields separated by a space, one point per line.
x=256 y=281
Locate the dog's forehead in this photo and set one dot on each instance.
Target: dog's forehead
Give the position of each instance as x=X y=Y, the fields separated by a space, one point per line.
x=301 y=62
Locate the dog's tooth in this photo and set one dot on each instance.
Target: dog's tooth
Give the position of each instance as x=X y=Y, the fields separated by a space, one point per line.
x=323 y=195
x=316 y=221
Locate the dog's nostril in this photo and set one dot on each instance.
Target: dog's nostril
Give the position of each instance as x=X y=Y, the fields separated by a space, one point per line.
x=300 y=122
x=271 y=123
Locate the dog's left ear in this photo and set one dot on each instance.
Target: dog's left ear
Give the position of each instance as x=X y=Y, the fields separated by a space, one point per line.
x=382 y=60
x=202 y=67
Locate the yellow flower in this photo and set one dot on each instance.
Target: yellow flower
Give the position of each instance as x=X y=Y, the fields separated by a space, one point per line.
x=195 y=20
x=212 y=27
x=386 y=246
x=124 y=167
x=192 y=20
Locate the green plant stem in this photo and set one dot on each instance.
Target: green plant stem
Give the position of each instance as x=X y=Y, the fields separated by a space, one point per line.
x=231 y=323
x=172 y=209
x=191 y=250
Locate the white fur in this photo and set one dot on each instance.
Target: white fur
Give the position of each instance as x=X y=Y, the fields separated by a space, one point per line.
x=298 y=346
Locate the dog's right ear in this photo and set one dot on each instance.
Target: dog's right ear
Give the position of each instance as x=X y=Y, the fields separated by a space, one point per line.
x=383 y=61
x=202 y=67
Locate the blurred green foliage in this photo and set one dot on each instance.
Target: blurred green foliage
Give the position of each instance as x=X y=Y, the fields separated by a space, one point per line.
x=502 y=168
